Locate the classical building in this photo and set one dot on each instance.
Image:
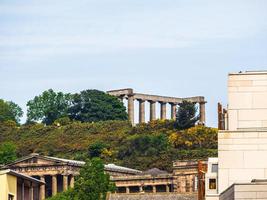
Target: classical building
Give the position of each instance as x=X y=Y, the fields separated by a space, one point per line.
x=242 y=142
x=15 y=186
x=183 y=179
x=129 y=94
x=57 y=173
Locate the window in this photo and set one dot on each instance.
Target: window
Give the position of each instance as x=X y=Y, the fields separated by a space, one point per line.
x=214 y=168
x=212 y=184
x=10 y=197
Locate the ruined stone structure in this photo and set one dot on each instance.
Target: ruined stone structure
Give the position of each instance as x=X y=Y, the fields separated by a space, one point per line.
x=153 y=99
x=58 y=173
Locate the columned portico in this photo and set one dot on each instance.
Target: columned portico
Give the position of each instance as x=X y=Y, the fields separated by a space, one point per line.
x=164 y=101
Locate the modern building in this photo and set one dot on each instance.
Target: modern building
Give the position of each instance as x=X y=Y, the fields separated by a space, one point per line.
x=15 y=186
x=242 y=146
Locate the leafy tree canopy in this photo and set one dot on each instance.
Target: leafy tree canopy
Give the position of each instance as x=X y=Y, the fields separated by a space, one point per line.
x=7 y=153
x=93 y=183
x=48 y=106
x=94 y=105
x=186 y=115
x=10 y=111
x=96 y=149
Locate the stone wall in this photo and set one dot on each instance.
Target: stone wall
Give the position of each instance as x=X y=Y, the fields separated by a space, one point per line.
x=242 y=157
x=171 y=196
x=247 y=94
x=245 y=191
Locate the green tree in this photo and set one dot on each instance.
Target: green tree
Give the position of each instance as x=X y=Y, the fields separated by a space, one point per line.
x=93 y=183
x=66 y=195
x=48 y=106
x=94 y=105
x=7 y=153
x=10 y=111
x=96 y=149
x=186 y=115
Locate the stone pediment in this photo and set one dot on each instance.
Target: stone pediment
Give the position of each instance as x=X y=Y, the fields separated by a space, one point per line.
x=35 y=160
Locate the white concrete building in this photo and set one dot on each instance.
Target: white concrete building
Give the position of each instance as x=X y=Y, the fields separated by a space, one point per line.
x=242 y=148
x=211 y=179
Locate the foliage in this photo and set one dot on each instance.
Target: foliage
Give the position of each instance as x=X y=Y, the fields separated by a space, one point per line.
x=195 y=137
x=94 y=105
x=143 y=146
x=96 y=149
x=66 y=195
x=93 y=183
x=7 y=153
x=186 y=115
x=48 y=106
x=10 y=111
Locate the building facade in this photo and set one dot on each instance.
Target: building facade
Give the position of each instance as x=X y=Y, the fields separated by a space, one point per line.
x=15 y=186
x=242 y=145
x=57 y=173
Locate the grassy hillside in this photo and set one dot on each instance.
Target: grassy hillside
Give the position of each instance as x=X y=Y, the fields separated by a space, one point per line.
x=144 y=146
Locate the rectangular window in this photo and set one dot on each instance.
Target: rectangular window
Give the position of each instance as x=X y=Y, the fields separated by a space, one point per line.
x=212 y=184
x=10 y=197
x=214 y=168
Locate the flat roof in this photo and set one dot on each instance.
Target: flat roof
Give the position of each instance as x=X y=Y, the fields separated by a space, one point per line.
x=14 y=173
x=249 y=72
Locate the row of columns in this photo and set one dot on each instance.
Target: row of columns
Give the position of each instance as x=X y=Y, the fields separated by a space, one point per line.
x=141 y=190
x=54 y=185
x=163 y=110
x=31 y=191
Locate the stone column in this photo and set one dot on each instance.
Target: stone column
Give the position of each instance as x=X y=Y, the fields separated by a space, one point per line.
x=191 y=184
x=22 y=190
x=65 y=182
x=127 y=190
x=152 y=110
x=183 y=184
x=141 y=189
x=141 y=111
x=131 y=109
x=72 y=181
x=167 y=188
x=42 y=188
x=202 y=113
x=173 y=111
x=31 y=192
x=54 y=185
x=179 y=186
x=154 y=189
x=162 y=110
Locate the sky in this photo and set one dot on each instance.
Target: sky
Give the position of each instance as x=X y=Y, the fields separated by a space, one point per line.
x=178 y=48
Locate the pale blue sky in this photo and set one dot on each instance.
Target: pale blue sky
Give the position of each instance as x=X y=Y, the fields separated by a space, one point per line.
x=166 y=47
